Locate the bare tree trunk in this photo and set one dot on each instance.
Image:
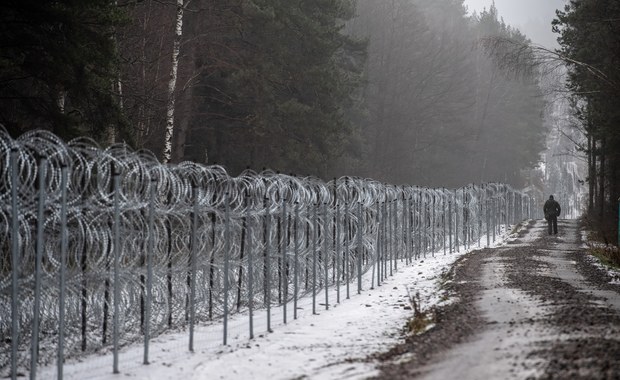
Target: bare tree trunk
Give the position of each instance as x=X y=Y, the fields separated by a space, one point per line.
x=184 y=114
x=143 y=129
x=178 y=34
x=116 y=87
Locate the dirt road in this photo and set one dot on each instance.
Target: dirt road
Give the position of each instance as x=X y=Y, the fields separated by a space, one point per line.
x=536 y=308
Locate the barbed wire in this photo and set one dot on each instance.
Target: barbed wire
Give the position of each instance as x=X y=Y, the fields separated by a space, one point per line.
x=188 y=243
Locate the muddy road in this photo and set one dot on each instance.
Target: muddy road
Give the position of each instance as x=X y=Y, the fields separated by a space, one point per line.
x=536 y=308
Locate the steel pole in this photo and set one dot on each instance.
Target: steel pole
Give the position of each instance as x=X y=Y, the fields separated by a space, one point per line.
x=117 y=254
x=192 y=285
x=226 y=265
x=63 y=269
x=150 y=251
x=34 y=347
x=14 y=265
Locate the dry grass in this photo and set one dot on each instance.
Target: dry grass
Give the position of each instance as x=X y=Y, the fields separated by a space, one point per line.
x=608 y=255
x=600 y=244
x=421 y=319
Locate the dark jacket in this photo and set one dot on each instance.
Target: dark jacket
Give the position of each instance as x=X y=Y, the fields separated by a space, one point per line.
x=552 y=209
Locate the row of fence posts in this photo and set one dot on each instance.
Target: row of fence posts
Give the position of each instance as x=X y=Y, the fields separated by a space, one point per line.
x=371 y=235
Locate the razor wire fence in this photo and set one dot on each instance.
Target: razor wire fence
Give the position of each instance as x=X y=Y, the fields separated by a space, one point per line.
x=105 y=247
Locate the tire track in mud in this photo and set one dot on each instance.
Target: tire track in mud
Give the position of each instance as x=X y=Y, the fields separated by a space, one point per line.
x=535 y=308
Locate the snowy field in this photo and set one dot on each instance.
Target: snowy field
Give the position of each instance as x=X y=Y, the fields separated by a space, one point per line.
x=333 y=344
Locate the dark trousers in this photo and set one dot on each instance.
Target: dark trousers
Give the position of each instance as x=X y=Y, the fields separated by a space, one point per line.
x=552 y=222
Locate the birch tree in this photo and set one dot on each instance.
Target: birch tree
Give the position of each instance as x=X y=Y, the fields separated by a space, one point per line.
x=172 y=83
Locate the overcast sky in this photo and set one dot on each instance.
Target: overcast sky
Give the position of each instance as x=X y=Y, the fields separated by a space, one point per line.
x=532 y=17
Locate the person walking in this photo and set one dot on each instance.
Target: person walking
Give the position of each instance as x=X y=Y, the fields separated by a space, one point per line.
x=552 y=211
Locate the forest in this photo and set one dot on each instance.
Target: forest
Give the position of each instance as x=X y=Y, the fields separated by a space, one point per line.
x=589 y=35
x=400 y=91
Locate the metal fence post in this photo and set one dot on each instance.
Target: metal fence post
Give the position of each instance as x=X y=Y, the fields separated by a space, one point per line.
x=347 y=269
x=337 y=249
x=314 y=254
x=14 y=264
x=383 y=244
x=326 y=254
x=466 y=220
x=444 y=219
x=412 y=219
x=296 y=264
x=450 y=223
x=192 y=285
x=395 y=234
x=37 y=269
x=488 y=217
x=117 y=254
x=376 y=265
x=402 y=239
x=360 y=248
x=250 y=267
x=268 y=263
x=389 y=236
x=226 y=264
x=494 y=217
x=149 y=270
x=63 y=265
x=387 y=248
x=387 y=239
x=457 y=212
x=433 y=225
x=423 y=226
x=407 y=227
x=506 y=208
x=479 y=216
x=284 y=277
x=417 y=222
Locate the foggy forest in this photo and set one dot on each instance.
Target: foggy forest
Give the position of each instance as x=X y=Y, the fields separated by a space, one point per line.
x=266 y=140
x=401 y=91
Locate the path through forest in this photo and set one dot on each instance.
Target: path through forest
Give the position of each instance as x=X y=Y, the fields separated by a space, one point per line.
x=536 y=308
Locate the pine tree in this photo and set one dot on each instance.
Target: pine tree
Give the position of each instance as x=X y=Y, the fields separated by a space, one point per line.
x=590 y=44
x=282 y=97
x=58 y=67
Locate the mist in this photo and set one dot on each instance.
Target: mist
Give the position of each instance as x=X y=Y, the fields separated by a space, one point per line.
x=440 y=111
x=532 y=17
x=399 y=91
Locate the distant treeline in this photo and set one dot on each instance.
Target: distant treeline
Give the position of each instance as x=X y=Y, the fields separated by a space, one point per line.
x=590 y=44
x=397 y=90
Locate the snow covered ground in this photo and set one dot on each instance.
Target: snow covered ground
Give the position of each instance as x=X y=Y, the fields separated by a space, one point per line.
x=333 y=344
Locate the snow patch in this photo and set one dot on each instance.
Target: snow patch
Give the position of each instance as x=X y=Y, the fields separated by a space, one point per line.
x=333 y=344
